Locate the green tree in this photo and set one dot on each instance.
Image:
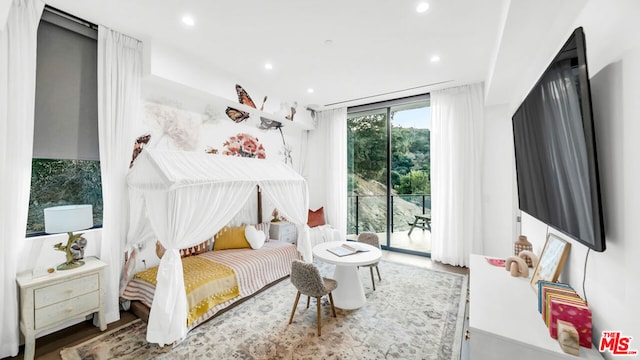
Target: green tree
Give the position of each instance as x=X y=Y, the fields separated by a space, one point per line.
x=367 y=137
x=415 y=182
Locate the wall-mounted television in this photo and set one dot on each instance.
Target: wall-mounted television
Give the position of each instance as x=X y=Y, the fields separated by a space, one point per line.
x=555 y=148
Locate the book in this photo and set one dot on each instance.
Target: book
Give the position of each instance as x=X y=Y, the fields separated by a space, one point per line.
x=347 y=249
x=546 y=310
x=548 y=286
x=575 y=313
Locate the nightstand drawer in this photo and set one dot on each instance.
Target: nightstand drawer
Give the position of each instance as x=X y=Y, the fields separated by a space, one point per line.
x=66 y=290
x=66 y=309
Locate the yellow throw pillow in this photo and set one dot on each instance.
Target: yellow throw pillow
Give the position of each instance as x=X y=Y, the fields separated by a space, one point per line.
x=231 y=237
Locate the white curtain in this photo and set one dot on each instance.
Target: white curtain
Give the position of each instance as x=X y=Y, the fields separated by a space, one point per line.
x=332 y=124
x=119 y=76
x=457 y=117
x=18 y=41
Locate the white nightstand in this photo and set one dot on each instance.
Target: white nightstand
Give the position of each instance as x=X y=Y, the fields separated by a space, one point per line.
x=283 y=231
x=51 y=300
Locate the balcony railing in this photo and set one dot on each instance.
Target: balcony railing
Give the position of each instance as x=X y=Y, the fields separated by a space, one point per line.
x=368 y=212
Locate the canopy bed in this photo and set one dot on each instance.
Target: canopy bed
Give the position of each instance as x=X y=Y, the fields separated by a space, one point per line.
x=181 y=199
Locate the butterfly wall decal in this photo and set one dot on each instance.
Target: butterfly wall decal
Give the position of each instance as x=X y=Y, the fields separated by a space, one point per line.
x=141 y=141
x=243 y=97
x=236 y=115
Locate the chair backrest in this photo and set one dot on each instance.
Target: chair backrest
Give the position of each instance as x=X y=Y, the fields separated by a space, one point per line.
x=369 y=238
x=306 y=278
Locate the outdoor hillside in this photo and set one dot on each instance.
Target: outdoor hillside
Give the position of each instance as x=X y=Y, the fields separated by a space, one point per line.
x=372 y=207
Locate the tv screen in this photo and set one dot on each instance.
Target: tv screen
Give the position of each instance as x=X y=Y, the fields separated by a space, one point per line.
x=555 y=148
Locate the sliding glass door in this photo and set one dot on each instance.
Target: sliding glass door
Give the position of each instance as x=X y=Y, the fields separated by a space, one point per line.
x=389 y=173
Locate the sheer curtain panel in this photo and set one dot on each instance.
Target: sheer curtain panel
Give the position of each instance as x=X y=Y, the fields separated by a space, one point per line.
x=18 y=39
x=333 y=126
x=119 y=77
x=457 y=116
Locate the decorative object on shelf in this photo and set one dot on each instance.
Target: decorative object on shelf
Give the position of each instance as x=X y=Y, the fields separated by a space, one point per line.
x=276 y=217
x=523 y=244
x=568 y=338
x=244 y=145
x=141 y=141
x=517 y=266
x=529 y=257
x=551 y=260
x=69 y=218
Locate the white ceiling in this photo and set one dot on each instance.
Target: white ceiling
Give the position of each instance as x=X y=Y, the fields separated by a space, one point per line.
x=379 y=49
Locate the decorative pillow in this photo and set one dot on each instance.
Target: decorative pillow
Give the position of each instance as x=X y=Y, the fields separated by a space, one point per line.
x=316 y=218
x=264 y=227
x=255 y=238
x=231 y=237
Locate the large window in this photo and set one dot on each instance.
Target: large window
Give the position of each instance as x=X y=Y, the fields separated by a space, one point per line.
x=65 y=166
x=389 y=172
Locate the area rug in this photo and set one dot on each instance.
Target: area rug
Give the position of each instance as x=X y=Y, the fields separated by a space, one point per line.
x=414 y=313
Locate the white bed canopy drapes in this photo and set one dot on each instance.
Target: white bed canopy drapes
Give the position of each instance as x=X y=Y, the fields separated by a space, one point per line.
x=183 y=198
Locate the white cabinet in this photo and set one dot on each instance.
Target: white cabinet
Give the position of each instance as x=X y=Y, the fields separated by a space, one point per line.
x=504 y=322
x=51 y=300
x=283 y=231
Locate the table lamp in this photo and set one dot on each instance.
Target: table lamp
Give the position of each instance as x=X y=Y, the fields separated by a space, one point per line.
x=69 y=218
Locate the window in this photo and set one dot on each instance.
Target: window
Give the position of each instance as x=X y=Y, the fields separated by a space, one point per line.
x=66 y=160
x=389 y=171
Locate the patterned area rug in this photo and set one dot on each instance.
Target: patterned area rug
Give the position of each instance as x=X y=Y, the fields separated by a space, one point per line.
x=414 y=313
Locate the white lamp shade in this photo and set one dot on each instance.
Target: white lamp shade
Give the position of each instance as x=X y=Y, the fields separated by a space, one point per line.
x=67 y=218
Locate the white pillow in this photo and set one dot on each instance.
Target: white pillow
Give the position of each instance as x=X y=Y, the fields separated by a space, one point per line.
x=254 y=237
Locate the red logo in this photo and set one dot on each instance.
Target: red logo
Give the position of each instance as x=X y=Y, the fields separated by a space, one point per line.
x=617 y=344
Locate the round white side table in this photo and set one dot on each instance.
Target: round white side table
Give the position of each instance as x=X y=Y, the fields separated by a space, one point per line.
x=349 y=294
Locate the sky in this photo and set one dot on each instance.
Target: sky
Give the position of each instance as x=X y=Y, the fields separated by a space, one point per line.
x=419 y=118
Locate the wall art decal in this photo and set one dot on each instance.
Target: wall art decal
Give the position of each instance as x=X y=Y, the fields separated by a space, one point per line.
x=236 y=115
x=289 y=109
x=244 y=145
x=210 y=150
x=141 y=141
x=211 y=115
x=244 y=98
x=266 y=124
x=178 y=127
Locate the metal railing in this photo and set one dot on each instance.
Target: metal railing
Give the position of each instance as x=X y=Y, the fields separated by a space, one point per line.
x=356 y=203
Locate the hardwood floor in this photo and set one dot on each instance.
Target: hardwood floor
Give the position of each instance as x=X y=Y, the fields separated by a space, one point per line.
x=48 y=347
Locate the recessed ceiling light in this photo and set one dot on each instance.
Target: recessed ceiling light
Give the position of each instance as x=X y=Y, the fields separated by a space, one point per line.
x=435 y=59
x=188 y=20
x=268 y=66
x=422 y=7
x=310 y=90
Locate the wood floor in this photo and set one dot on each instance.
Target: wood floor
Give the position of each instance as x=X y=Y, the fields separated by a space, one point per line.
x=48 y=347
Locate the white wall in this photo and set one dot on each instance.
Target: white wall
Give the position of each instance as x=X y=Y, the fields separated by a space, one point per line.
x=613 y=54
x=499 y=231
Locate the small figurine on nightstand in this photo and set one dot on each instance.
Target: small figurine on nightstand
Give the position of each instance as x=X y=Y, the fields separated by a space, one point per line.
x=276 y=218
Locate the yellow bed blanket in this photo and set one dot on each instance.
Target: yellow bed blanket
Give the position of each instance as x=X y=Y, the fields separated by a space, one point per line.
x=207 y=284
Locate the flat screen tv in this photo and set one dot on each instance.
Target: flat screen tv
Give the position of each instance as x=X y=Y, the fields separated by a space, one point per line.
x=555 y=149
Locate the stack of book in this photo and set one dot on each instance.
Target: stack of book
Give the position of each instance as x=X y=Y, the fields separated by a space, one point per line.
x=560 y=302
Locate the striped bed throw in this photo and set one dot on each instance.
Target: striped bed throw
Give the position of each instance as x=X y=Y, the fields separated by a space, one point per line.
x=254 y=269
